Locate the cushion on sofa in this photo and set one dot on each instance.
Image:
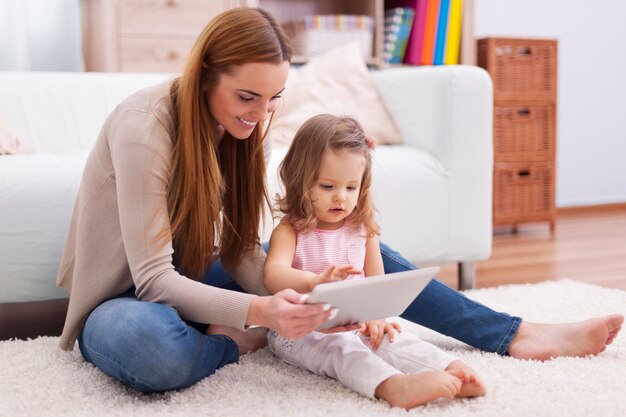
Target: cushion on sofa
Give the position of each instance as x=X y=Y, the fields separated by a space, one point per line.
x=10 y=142
x=339 y=83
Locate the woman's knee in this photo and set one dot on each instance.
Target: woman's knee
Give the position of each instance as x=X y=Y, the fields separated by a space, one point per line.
x=146 y=345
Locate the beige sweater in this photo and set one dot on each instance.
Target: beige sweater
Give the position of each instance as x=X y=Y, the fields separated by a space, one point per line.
x=120 y=208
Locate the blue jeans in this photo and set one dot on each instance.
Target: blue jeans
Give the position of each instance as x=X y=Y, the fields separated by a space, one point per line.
x=451 y=313
x=149 y=347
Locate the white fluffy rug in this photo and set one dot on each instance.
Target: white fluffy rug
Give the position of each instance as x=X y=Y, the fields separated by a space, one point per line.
x=37 y=379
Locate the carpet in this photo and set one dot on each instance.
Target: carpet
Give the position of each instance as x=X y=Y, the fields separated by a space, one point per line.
x=38 y=379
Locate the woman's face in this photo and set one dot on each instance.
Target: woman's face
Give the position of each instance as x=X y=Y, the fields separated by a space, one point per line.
x=247 y=96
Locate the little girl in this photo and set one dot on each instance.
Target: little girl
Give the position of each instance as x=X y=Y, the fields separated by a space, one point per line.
x=328 y=233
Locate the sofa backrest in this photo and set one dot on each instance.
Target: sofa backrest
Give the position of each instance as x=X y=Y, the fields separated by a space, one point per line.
x=63 y=112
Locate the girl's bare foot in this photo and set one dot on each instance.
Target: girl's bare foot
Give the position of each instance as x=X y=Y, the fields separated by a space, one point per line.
x=472 y=385
x=247 y=341
x=543 y=341
x=410 y=391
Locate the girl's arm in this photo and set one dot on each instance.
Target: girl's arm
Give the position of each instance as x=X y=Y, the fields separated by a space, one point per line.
x=278 y=274
x=376 y=329
x=373 y=259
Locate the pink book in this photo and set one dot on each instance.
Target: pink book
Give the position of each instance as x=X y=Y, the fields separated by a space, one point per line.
x=430 y=31
x=413 y=52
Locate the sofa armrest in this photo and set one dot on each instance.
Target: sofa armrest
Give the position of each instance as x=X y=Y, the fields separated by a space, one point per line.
x=447 y=111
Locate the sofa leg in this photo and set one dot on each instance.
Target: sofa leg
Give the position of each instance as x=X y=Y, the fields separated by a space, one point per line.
x=467 y=275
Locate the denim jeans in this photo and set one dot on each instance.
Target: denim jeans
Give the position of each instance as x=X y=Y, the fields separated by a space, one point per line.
x=451 y=313
x=149 y=347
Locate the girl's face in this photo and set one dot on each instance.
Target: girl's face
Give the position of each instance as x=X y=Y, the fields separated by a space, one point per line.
x=247 y=96
x=336 y=191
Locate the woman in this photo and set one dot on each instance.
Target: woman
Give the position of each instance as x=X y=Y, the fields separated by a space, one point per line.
x=180 y=166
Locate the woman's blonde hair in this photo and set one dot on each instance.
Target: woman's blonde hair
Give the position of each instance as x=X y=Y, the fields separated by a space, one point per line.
x=299 y=171
x=206 y=180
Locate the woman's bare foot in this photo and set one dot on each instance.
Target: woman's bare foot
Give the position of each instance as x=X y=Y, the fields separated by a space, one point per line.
x=472 y=386
x=543 y=341
x=410 y=391
x=248 y=341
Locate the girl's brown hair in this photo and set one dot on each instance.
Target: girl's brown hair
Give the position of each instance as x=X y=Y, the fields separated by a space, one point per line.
x=300 y=170
x=206 y=180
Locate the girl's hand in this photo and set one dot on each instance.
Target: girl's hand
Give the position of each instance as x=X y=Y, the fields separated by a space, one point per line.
x=376 y=329
x=333 y=273
x=286 y=313
x=372 y=142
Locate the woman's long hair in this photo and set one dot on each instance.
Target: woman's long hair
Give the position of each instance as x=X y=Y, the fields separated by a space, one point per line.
x=207 y=181
x=300 y=170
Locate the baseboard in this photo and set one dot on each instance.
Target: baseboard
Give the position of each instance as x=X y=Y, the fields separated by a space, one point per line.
x=29 y=320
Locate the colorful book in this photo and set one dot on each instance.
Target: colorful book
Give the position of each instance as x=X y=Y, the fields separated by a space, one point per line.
x=393 y=27
x=398 y=23
x=430 y=32
x=442 y=29
x=405 y=31
x=413 y=54
x=454 y=32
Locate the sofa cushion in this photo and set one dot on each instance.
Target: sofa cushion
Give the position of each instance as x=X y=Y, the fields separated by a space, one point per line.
x=38 y=193
x=339 y=83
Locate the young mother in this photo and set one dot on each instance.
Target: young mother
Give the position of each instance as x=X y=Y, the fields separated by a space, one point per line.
x=174 y=183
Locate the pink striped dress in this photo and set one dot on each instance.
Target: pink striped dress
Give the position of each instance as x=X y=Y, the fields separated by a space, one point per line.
x=316 y=249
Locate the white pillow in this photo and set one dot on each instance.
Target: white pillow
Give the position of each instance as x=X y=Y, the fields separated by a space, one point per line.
x=10 y=143
x=337 y=82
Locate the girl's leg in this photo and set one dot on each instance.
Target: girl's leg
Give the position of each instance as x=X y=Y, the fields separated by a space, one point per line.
x=449 y=312
x=149 y=347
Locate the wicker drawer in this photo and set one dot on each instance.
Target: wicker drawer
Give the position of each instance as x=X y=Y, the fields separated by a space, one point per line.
x=520 y=67
x=183 y=18
x=523 y=192
x=524 y=132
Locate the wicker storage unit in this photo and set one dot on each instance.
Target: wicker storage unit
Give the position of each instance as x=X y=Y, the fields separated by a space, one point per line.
x=524 y=127
x=523 y=192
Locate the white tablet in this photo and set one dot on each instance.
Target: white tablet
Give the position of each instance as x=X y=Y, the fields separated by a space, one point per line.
x=372 y=298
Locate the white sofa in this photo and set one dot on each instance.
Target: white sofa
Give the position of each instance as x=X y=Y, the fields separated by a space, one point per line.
x=433 y=192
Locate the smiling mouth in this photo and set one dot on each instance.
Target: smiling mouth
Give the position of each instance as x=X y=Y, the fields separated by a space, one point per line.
x=246 y=122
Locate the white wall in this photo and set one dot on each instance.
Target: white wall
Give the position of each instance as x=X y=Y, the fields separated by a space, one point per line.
x=591 y=103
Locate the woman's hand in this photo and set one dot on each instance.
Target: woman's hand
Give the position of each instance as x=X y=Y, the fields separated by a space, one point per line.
x=376 y=329
x=287 y=314
x=333 y=273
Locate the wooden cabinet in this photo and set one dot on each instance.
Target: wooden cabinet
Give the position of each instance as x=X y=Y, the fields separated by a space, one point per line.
x=524 y=128
x=144 y=35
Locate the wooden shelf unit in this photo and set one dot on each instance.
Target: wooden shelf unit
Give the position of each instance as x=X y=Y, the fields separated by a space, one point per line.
x=144 y=35
x=523 y=72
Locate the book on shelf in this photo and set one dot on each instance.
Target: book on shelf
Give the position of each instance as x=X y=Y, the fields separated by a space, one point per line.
x=413 y=54
x=454 y=32
x=442 y=29
x=435 y=36
x=398 y=24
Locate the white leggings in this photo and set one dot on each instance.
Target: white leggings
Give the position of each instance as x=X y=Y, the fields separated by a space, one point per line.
x=349 y=358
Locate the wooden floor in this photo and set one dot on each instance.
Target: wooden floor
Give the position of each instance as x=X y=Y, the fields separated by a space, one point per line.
x=589 y=244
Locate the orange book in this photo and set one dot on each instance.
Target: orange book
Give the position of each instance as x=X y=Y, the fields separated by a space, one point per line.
x=430 y=31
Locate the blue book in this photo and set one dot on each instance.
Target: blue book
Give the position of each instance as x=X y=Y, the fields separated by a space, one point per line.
x=398 y=23
x=405 y=32
x=442 y=29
